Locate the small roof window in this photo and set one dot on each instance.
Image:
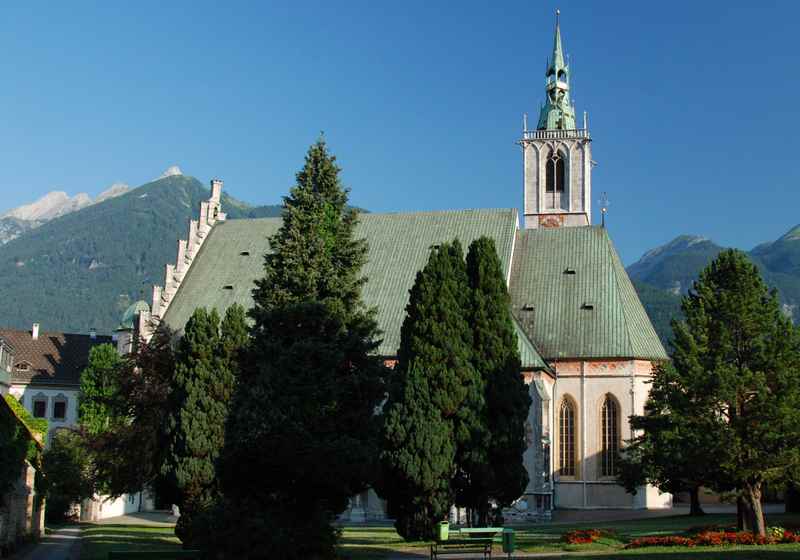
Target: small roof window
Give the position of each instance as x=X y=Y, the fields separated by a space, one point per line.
x=527 y=307
x=569 y=270
x=245 y=253
x=227 y=287
x=588 y=306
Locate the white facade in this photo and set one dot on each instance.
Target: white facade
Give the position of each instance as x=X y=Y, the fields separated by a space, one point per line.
x=28 y=395
x=101 y=507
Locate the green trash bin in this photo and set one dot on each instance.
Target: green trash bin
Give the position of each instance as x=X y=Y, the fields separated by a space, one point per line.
x=444 y=530
x=509 y=542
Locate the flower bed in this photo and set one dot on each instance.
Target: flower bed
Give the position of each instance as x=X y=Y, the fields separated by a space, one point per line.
x=586 y=536
x=775 y=535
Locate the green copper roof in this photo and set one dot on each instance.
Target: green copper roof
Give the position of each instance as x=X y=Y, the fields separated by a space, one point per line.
x=558 y=112
x=528 y=354
x=574 y=299
x=230 y=260
x=128 y=318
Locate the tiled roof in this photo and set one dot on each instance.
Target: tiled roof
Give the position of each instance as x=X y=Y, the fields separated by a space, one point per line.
x=53 y=358
x=231 y=259
x=574 y=299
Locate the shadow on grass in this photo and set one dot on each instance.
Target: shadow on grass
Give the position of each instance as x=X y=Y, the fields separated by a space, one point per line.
x=99 y=540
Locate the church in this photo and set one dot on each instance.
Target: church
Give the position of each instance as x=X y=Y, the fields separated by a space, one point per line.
x=587 y=346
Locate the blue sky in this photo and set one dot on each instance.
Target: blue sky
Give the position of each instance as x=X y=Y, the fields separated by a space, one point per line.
x=692 y=105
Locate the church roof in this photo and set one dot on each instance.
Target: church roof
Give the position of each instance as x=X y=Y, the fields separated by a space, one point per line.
x=574 y=299
x=571 y=296
x=231 y=259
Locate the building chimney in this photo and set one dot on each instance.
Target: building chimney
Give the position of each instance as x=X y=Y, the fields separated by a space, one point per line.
x=92 y=333
x=35 y=331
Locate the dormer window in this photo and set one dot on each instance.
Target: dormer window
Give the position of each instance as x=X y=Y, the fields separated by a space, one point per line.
x=22 y=366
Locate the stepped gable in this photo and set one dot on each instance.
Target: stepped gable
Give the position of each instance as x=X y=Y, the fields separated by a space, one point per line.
x=573 y=298
x=52 y=358
x=231 y=259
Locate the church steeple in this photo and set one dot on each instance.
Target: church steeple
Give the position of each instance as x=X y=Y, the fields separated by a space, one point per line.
x=558 y=112
x=557 y=156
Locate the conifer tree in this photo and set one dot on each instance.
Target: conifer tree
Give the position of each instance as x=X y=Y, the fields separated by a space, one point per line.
x=302 y=435
x=420 y=457
x=735 y=389
x=436 y=339
x=502 y=475
x=197 y=416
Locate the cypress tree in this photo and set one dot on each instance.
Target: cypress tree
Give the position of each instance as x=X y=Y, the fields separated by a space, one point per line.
x=302 y=435
x=502 y=476
x=204 y=382
x=436 y=340
x=419 y=457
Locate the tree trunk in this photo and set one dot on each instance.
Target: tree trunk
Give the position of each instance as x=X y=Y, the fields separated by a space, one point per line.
x=695 y=508
x=753 y=496
x=743 y=518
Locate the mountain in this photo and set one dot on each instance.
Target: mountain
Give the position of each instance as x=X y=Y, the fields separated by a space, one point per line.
x=666 y=273
x=17 y=221
x=83 y=268
x=674 y=266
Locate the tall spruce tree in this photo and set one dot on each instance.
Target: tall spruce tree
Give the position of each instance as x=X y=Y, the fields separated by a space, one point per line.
x=302 y=435
x=436 y=338
x=502 y=475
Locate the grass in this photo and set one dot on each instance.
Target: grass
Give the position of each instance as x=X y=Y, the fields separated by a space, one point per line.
x=361 y=542
x=99 y=540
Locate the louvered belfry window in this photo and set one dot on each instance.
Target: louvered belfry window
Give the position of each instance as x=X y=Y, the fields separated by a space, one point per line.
x=555 y=173
x=566 y=447
x=610 y=423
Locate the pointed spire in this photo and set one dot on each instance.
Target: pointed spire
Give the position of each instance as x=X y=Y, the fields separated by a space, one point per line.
x=558 y=112
x=558 y=53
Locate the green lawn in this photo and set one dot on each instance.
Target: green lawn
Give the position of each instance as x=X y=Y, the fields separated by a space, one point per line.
x=362 y=542
x=99 y=540
x=359 y=542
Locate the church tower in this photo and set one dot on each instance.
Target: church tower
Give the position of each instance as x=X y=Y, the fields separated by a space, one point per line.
x=557 y=156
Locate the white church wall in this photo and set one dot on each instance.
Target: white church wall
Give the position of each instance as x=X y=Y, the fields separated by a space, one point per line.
x=587 y=384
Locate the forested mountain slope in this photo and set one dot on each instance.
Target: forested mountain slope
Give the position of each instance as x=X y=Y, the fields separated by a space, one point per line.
x=82 y=269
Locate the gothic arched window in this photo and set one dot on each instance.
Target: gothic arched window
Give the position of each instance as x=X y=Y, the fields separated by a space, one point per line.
x=610 y=437
x=554 y=181
x=566 y=441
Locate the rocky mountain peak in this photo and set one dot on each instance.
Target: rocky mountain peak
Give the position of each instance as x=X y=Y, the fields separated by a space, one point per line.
x=171 y=171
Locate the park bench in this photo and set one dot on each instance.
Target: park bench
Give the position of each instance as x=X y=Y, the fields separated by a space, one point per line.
x=155 y=555
x=470 y=541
